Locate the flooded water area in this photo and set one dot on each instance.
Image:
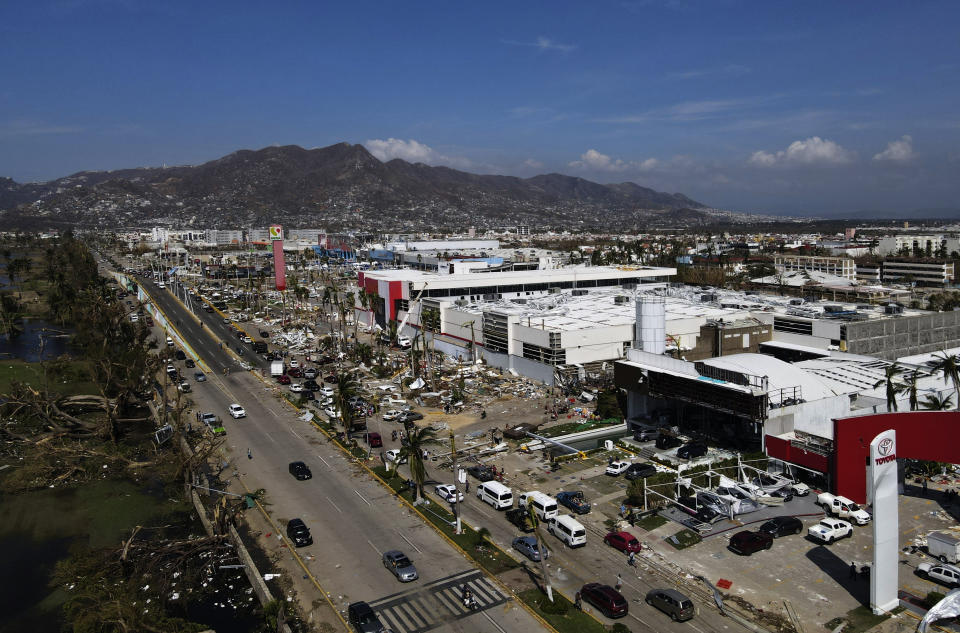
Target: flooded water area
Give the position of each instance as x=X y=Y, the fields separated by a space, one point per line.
x=31 y=337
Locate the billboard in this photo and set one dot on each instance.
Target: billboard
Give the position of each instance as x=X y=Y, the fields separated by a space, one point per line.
x=276 y=232
x=279 y=266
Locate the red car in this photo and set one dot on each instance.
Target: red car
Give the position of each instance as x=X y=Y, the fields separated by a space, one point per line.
x=608 y=600
x=747 y=542
x=374 y=440
x=623 y=541
x=295 y=372
x=283 y=379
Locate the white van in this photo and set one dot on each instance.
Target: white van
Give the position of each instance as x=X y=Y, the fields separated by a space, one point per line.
x=544 y=505
x=496 y=494
x=169 y=342
x=568 y=530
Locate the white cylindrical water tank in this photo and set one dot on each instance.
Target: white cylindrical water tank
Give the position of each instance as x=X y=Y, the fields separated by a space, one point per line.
x=651 y=323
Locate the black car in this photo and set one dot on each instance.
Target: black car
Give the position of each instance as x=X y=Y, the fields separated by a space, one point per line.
x=306 y=394
x=639 y=471
x=665 y=441
x=311 y=385
x=409 y=416
x=300 y=470
x=264 y=334
x=693 y=449
x=299 y=533
x=363 y=619
x=781 y=526
x=608 y=600
x=483 y=473
x=190 y=363
x=179 y=355
x=747 y=542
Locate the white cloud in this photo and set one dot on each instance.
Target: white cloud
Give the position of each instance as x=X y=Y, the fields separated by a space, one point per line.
x=592 y=159
x=544 y=44
x=413 y=152
x=533 y=163
x=900 y=151
x=811 y=151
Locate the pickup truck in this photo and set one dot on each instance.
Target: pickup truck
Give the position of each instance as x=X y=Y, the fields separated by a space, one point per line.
x=830 y=530
x=574 y=500
x=520 y=518
x=212 y=422
x=843 y=507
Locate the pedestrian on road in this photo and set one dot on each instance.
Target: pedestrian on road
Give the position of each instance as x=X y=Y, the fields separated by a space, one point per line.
x=577 y=601
x=619 y=582
x=853 y=571
x=630 y=560
x=249 y=454
x=924 y=486
x=468 y=486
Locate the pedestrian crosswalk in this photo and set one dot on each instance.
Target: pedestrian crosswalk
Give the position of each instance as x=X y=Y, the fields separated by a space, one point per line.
x=437 y=603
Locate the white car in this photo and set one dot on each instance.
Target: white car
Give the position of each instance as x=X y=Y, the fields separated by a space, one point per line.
x=944 y=574
x=236 y=411
x=615 y=468
x=800 y=489
x=294 y=364
x=830 y=530
x=326 y=402
x=331 y=412
x=326 y=391
x=391 y=415
x=393 y=455
x=448 y=493
x=296 y=387
x=246 y=339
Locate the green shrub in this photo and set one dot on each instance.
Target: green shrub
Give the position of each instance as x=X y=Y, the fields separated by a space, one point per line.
x=620 y=627
x=559 y=606
x=933 y=598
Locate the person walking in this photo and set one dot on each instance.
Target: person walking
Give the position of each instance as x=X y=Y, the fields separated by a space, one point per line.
x=630 y=559
x=924 y=486
x=619 y=582
x=853 y=571
x=467 y=486
x=578 y=601
x=249 y=454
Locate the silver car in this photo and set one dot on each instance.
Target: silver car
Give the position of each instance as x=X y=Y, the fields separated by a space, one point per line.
x=400 y=566
x=527 y=545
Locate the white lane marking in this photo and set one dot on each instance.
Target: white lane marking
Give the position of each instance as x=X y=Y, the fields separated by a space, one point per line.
x=324 y=461
x=270 y=438
x=641 y=621
x=294 y=432
x=374 y=548
x=410 y=543
x=499 y=628
x=694 y=627
x=334 y=505
x=361 y=496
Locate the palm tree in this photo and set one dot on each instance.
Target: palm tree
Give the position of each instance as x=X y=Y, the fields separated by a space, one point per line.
x=947 y=363
x=347 y=388
x=937 y=402
x=893 y=388
x=911 y=388
x=418 y=438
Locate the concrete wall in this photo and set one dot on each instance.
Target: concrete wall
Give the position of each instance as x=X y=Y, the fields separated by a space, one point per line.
x=905 y=336
x=523 y=366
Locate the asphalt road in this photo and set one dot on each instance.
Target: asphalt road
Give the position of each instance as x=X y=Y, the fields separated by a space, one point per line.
x=353 y=519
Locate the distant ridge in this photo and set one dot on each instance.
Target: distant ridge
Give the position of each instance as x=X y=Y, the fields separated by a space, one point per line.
x=340 y=186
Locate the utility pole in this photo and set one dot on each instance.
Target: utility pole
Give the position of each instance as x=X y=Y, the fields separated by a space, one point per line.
x=456 y=482
x=542 y=549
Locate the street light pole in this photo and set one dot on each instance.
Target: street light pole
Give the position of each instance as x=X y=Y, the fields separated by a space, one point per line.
x=456 y=481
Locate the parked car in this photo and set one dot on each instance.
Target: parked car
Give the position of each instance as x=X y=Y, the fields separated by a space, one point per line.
x=830 y=530
x=449 y=493
x=678 y=606
x=184 y=386
x=299 y=533
x=296 y=387
x=363 y=619
x=300 y=471
x=310 y=373
x=393 y=455
x=747 y=542
x=646 y=434
x=574 y=500
x=691 y=450
x=295 y=372
x=782 y=526
x=312 y=386
x=400 y=566
x=373 y=439
x=391 y=415
x=617 y=468
x=482 y=472
x=605 y=598
x=640 y=471
x=200 y=376
x=327 y=391
x=190 y=363
x=527 y=545
x=306 y=394
x=947 y=575
x=665 y=441
x=179 y=354
x=236 y=411
x=623 y=541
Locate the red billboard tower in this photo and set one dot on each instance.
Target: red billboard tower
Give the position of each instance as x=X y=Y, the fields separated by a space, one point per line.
x=279 y=266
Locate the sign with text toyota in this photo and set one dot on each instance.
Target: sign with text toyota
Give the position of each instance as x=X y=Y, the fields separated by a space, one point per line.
x=882 y=491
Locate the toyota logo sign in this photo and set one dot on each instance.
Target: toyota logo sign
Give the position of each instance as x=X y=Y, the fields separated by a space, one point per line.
x=885 y=447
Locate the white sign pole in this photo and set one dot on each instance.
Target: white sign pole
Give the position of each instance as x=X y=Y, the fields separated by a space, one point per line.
x=882 y=485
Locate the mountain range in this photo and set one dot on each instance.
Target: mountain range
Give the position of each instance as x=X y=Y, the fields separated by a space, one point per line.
x=338 y=187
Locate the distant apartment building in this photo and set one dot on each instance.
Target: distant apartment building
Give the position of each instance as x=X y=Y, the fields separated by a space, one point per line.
x=223 y=237
x=922 y=273
x=869 y=272
x=523 y=229
x=837 y=266
x=930 y=245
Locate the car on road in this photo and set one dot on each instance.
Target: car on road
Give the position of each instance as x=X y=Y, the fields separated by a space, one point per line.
x=946 y=575
x=330 y=412
x=327 y=391
x=306 y=394
x=363 y=619
x=311 y=385
x=296 y=387
x=299 y=533
x=782 y=526
x=615 y=469
x=373 y=439
x=283 y=379
x=449 y=493
x=264 y=334
x=400 y=566
x=246 y=339
x=574 y=500
x=830 y=530
x=296 y=372
x=226 y=321
x=482 y=472
x=310 y=373
x=527 y=545
x=190 y=363
x=640 y=471
x=294 y=363
x=236 y=411
x=678 y=606
x=747 y=542
x=331 y=378
x=623 y=541
x=409 y=416
x=184 y=386
x=300 y=471
x=691 y=450
x=200 y=376
x=391 y=415
x=605 y=598
x=393 y=455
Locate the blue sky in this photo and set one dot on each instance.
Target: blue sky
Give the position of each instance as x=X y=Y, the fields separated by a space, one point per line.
x=793 y=107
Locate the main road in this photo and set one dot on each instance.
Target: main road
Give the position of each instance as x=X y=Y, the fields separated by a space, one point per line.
x=353 y=519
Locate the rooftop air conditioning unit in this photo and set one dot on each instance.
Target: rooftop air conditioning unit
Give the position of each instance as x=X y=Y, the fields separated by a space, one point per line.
x=630 y=286
x=579 y=292
x=893 y=308
x=490 y=297
x=621 y=299
x=833 y=309
x=461 y=302
x=708 y=297
x=555 y=290
x=520 y=301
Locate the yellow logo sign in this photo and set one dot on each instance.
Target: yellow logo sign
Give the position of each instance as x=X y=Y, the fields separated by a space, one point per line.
x=276 y=232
